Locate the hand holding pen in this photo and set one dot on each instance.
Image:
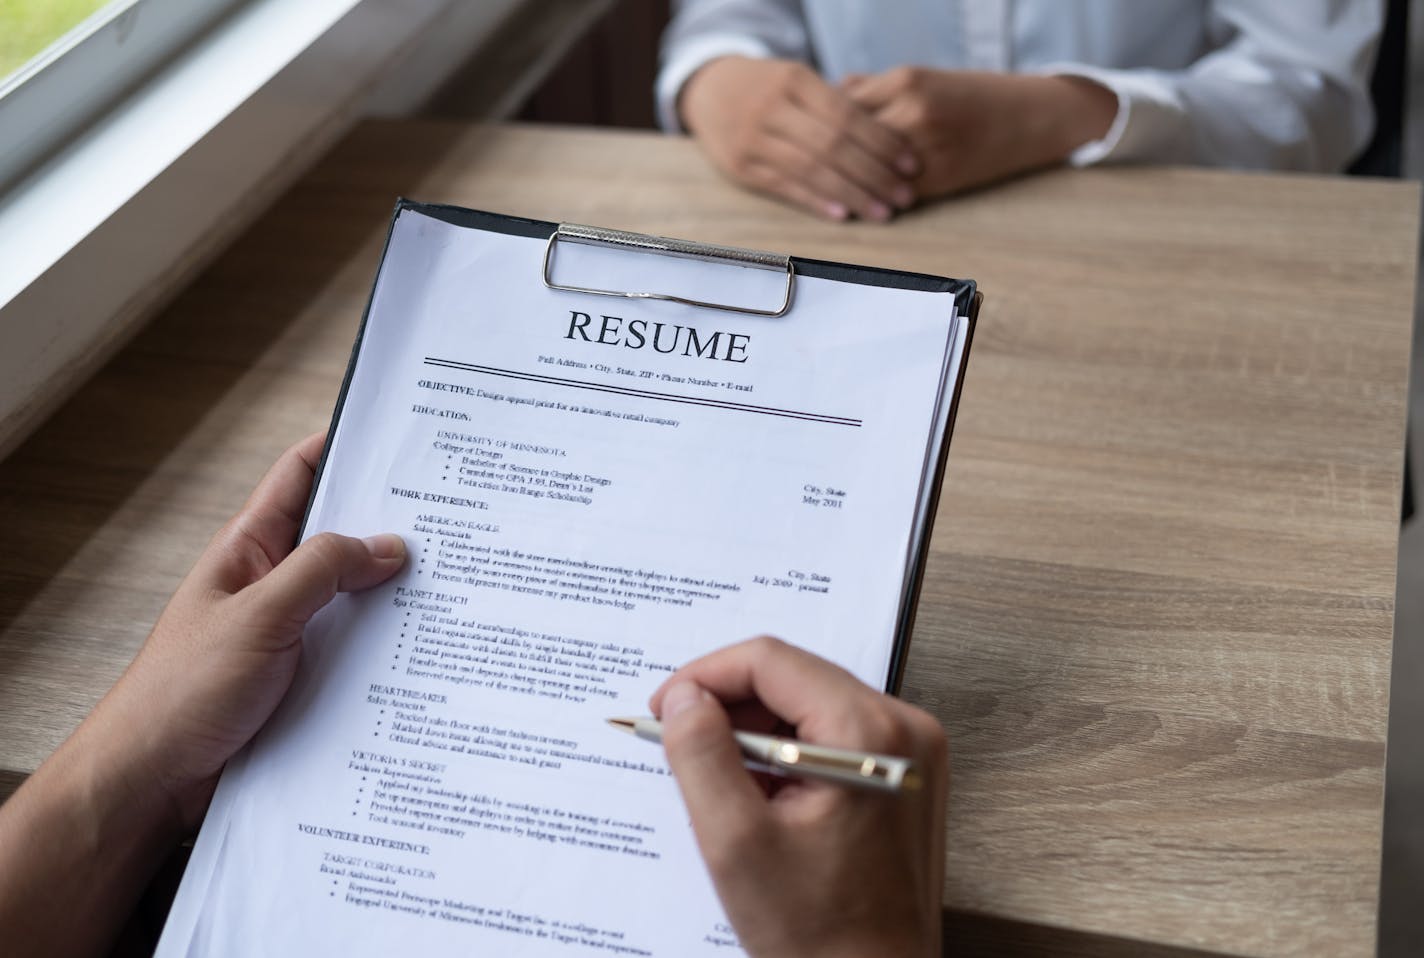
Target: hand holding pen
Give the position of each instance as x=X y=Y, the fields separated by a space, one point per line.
x=812 y=867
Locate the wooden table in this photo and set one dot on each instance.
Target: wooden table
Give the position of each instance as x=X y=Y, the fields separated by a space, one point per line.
x=1158 y=615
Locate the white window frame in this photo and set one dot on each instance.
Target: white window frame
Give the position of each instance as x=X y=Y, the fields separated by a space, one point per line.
x=109 y=225
x=51 y=98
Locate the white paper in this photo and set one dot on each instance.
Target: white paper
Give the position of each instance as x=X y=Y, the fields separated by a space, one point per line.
x=583 y=517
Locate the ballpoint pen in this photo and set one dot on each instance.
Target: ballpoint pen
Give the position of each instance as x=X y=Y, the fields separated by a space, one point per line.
x=785 y=756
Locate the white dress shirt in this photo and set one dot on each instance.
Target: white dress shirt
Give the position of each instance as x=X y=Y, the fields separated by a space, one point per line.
x=1260 y=84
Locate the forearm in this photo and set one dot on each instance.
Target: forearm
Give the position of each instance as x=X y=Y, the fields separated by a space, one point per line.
x=1017 y=124
x=1289 y=91
x=1057 y=115
x=1209 y=119
x=80 y=840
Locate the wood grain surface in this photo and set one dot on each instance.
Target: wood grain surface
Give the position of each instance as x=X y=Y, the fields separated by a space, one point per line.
x=1158 y=613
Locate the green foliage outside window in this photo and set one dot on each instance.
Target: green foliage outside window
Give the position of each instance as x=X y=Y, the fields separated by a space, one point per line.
x=29 y=26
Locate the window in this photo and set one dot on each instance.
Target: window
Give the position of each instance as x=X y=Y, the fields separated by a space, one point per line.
x=140 y=141
x=29 y=27
x=64 y=61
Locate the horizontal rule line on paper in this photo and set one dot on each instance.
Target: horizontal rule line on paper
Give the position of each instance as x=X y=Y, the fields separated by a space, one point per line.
x=643 y=393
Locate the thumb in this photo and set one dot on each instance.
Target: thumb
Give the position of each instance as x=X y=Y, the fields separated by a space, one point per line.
x=321 y=567
x=721 y=796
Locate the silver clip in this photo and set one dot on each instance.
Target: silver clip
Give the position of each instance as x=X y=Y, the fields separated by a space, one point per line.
x=597 y=236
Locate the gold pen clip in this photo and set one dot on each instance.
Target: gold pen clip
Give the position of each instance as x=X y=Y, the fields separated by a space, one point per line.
x=885 y=772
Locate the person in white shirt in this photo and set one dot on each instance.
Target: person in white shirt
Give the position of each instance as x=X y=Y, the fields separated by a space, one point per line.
x=854 y=108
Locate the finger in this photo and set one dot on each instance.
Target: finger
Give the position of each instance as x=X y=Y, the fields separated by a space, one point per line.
x=852 y=80
x=268 y=521
x=840 y=112
x=722 y=798
x=752 y=716
x=900 y=114
x=318 y=569
x=844 y=154
x=950 y=171
x=794 y=684
x=872 y=92
x=822 y=179
x=768 y=179
x=287 y=485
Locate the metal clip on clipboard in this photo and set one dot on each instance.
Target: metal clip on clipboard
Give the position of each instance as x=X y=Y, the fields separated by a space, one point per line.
x=621 y=239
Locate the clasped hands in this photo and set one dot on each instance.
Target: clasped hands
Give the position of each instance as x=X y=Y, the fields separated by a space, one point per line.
x=876 y=144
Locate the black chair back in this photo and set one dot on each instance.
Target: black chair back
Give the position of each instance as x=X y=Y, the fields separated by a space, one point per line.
x=1383 y=155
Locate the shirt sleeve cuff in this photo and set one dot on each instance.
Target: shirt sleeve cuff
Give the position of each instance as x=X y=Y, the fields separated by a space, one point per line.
x=1148 y=120
x=687 y=59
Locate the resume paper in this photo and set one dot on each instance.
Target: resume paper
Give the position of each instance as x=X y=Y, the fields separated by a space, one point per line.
x=593 y=492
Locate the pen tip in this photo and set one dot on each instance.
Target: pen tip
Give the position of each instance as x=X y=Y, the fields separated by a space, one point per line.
x=624 y=724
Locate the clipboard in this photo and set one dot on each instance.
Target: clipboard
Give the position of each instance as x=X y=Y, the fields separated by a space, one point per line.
x=965 y=297
x=328 y=731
